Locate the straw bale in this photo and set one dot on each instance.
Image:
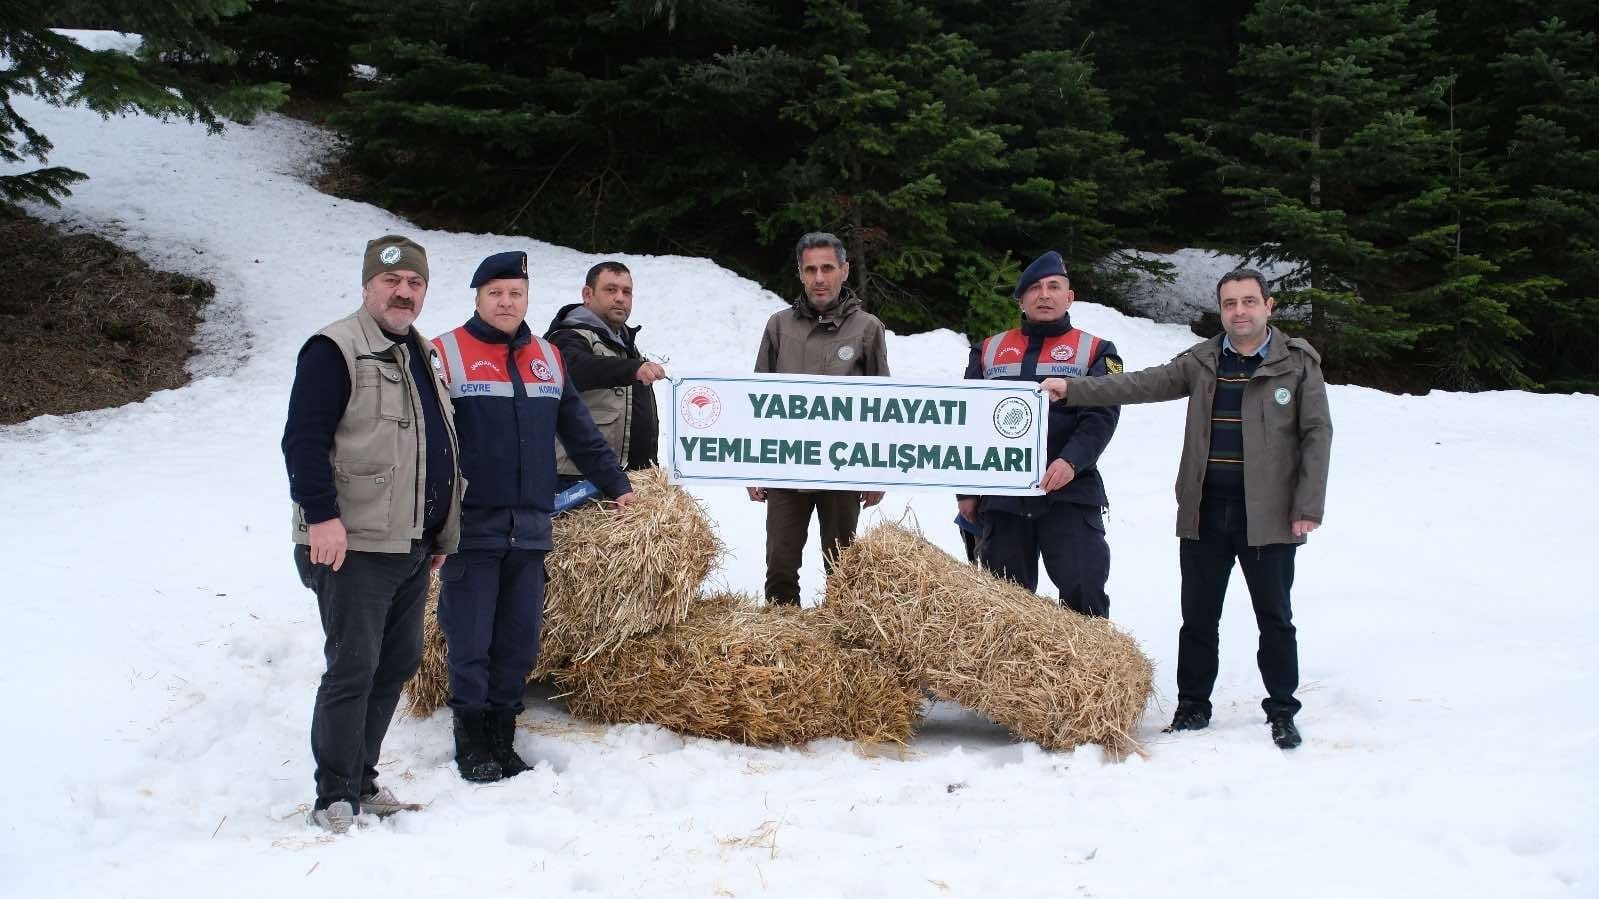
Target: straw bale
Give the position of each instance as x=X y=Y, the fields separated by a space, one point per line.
x=612 y=574
x=737 y=671
x=1048 y=674
x=616 y=574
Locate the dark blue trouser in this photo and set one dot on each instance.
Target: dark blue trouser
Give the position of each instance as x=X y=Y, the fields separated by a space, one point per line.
x=371 y=611
x=491 y=604
x=1070 y=537
x=1207 y=563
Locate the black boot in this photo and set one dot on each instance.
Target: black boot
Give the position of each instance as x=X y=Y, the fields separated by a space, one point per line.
x=1283 y=731
x=474 y=755
x=1189 y=716
x=502 y=737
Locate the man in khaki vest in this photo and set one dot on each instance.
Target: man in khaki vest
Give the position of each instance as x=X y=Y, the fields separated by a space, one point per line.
x=605 y=363
x=371 y=452
x=824 y=332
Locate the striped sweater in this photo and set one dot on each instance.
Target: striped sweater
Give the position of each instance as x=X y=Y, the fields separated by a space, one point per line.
x=1224 y=469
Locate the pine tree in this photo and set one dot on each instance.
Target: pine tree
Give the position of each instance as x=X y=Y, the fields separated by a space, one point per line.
x=728 y=127
x=51 y=67
x=638 y=125
x=306 y=44
x=1335 y=162
x=1074 y=182
x=897 y=137
x=942 y=161
x=1546 y=90
x=1160 y=63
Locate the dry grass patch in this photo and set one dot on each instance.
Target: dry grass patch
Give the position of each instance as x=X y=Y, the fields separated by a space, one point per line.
x=85 y=324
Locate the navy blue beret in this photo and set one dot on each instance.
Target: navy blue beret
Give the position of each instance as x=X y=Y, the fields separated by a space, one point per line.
x=511 y=264
x=1048 y=264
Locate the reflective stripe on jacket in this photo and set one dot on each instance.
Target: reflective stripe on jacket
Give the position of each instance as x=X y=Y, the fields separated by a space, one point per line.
x=1064 y=355
x=512 y=401
x=1039 y=350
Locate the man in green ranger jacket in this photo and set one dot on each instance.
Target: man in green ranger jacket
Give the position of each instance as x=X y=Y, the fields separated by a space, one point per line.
x=1251 y=485
x=824 y=332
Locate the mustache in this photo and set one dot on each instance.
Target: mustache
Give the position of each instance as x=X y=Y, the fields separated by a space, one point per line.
x=401 y=303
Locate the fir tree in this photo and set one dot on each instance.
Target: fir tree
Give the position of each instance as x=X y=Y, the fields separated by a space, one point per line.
x=1546 y=90
x=897 y=138
x=41 y=63
x=1334 y=164
x=304 y=43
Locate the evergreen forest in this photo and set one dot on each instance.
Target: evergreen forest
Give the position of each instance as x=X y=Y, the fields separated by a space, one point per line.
x=1426 y=173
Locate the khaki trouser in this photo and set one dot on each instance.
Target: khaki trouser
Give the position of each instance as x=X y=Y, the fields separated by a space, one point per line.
x=788 y=523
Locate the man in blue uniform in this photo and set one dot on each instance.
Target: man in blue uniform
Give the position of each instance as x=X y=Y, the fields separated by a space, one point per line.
x=512 y=399
x=1066 y=525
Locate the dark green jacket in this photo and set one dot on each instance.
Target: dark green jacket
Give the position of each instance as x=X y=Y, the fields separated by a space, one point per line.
x=1287 y=431
x=844 y=340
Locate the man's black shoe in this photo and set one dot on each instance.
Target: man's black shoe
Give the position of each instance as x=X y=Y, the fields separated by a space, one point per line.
x=1190 y=716
x=1284 y=733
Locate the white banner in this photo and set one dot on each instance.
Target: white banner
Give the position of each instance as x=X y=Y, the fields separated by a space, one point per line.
x=820 y=432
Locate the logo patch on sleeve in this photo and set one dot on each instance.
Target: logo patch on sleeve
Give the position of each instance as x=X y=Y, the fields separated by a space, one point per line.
x=1114 y=366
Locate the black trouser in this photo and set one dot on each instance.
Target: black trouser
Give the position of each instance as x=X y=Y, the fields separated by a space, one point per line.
x=491 y=604
x=788 y=525
x=1070 y=537
x=1207 y=563
x=372 y=618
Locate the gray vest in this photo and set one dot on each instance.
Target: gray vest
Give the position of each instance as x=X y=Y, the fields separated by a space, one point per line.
x=610 y=407
x=380 y=446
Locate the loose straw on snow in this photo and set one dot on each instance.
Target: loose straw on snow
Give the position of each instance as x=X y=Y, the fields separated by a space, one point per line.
x=612 y=574
x=736 y=671
x=429 y=688
x=1046 y=673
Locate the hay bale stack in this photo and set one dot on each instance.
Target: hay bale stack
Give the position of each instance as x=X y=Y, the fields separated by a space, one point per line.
x=736 y=671
x=1046 y=673
x=613 y=574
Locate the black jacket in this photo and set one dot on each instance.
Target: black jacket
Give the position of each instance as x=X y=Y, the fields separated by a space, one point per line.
x=591 y=371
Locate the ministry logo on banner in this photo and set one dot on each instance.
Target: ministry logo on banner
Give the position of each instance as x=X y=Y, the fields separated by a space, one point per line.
x=701 y=407
x=1013 y=417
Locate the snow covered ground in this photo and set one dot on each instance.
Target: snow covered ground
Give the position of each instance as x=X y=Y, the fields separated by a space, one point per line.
x=162 y=656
